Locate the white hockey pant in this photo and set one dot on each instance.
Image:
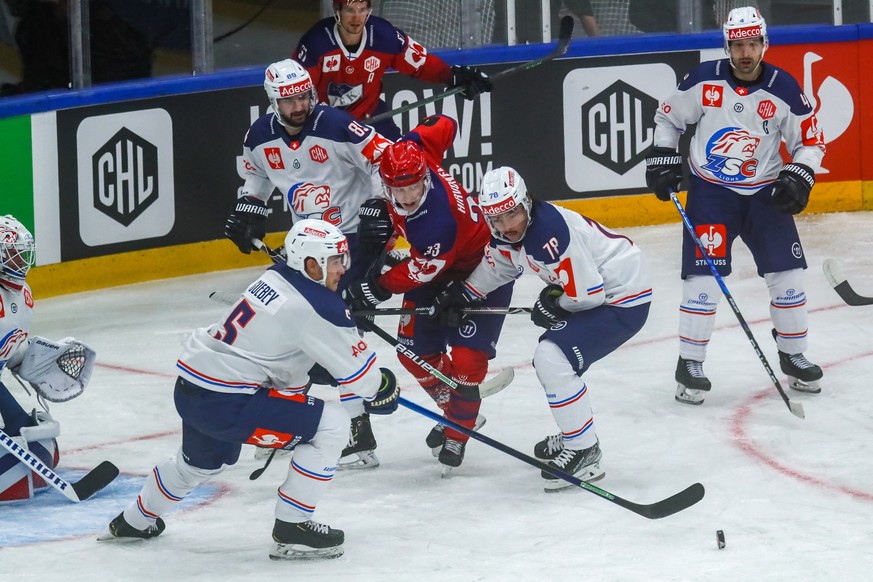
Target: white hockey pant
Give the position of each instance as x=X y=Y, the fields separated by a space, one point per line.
x=567 y=395
x=700 y=297
x=788 y=310
x=169 y=483
x=313 y=465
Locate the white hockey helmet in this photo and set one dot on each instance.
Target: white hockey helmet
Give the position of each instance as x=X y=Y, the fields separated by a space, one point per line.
x=503 y=190
x=317 y=239
x=17 y=250
x=742 y=23
x=286 y=79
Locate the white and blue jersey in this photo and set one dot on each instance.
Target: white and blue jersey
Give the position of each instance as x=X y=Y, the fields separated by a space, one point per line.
x=594 y=265
x=740 y=126
x=281 y=326
x=325 y=172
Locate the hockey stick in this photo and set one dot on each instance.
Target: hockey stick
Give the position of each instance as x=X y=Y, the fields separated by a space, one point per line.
x=795 y=407
x=673 y=504
x=485 y=389
x=429 y=310
x=96 y=479
x=564 y=35
x=833 y=270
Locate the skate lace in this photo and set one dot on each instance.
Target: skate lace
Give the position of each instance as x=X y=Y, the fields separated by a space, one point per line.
x=454 y=446
x=800 y=361
x=319 y=528
x=563 y=459
x=695 y=369
x=554 y=443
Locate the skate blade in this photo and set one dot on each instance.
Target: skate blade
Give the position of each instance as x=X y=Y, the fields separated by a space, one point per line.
x=107 y=536
x=301 y=552
x=808 y=387
x=446 y=472
x=688 y=395
x=435 y=451
x=357 y=461
x=591 y=474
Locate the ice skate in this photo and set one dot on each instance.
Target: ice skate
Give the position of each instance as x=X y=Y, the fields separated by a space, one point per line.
x=691 y=382
x=803 y=375
x=434 y=439
x=550 y=447
x=308 y=540
x=360 y=452
x=584 y=465
x=121 y=531
x=451 y=455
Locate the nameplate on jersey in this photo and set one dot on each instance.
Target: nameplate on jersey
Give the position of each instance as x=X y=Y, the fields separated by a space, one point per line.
x=263 y=294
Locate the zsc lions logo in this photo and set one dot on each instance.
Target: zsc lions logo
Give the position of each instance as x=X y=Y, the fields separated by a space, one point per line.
x=730 y=155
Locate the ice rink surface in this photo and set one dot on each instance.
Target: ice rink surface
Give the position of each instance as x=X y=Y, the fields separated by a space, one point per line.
x=794 y=497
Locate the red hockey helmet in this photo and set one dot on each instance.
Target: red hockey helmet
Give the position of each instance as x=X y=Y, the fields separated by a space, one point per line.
x=402 y=164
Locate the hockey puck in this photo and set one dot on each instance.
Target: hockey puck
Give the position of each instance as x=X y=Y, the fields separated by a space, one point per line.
x=719 y=539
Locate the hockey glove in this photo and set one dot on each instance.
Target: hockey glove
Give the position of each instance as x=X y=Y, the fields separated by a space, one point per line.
x=448 y=306
x=472 y=80
x=375 y=228
x=247 y=221
x=792 y=187
x=319 y=375
x=663 y=172
x=385 y=401
x=366 y=294
x=546 y=312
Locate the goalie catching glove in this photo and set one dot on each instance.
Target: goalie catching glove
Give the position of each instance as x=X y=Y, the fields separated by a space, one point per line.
x=471 y=79
x=58 y=371
x=247 y=221
x=663 y=172
x=386 y=399
x=792 y=187
x=546 y=312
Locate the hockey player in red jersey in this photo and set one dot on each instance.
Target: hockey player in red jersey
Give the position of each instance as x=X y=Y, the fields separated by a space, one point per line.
x=447 y=236
x=347 y=55
x=744 y=109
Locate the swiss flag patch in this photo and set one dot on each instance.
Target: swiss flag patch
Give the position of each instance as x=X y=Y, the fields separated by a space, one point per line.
x=712 y=95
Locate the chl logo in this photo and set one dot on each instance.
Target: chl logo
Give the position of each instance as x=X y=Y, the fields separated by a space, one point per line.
x=125 y=172
x=618 y=125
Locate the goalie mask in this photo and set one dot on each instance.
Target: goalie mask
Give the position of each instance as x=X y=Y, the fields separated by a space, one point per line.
x=317 y=239
x=286 y=79
x=506 y=204
x=744 y=23
x=17 y=250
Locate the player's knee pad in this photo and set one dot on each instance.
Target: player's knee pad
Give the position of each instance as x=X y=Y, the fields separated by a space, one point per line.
x=702 y=291
x=786 y=287
x=332 y=434
x=439 y=361
x=188 y=476
x=469 y=366
x=552 y=367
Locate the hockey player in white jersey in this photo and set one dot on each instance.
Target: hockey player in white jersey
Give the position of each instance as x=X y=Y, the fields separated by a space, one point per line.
x=321 y=160
x=57 y=371
x=739 y=186
x=242 y=380
x=597 y=297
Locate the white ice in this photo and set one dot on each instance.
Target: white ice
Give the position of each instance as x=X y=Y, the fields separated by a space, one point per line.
x=793 y=497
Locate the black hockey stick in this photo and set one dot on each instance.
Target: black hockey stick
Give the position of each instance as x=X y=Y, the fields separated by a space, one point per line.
x=795 y=407
x=564 y=35
x=429 y=310
x=833 y=270
x=673 y=504
x=258 y=472
x=95 y=480
x=485 y=389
